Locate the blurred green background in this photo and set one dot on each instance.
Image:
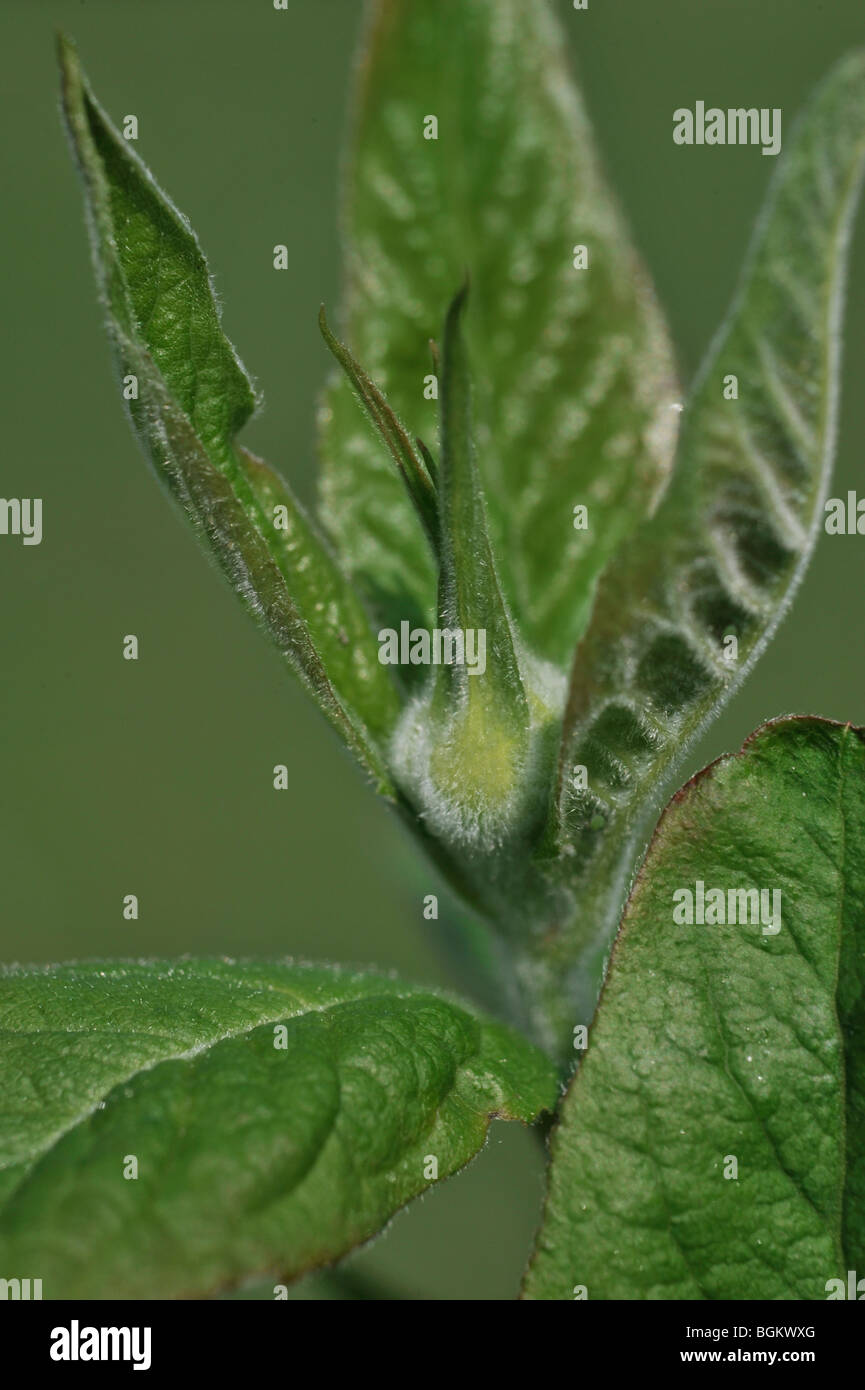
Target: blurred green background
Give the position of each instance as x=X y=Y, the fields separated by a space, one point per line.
x=154 y=777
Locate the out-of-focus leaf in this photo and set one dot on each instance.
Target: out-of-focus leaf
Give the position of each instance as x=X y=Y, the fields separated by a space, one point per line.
x=574 y=378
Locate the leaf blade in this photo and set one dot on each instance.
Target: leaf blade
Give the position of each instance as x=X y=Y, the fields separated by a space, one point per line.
x=151 y=269
x=714 y=1042
x=416 y=467
x=192 y=395
x=302 y=1150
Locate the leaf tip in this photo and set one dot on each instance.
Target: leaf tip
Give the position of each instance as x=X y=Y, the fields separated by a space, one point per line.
x=67 y=53
x=71 y=76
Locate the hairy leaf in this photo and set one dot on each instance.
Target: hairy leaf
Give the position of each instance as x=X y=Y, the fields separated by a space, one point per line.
x=474 y=753
x=190 y=397
x=732 y=537
x=469 y=594
x=476 y=727
x=716 y=1044
x=573 y=399
x=279 y=1114
x=414 y=461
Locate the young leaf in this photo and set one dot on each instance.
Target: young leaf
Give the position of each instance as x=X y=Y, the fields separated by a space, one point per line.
x=469 y=593
x=190 y=397
x=171 y=1129
x=478 y=722
x=731 y=539
x=712 y=1144
x=573 y=402
x=413 y=461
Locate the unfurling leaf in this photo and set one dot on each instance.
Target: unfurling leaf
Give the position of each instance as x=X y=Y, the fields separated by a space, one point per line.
x=462 y=750
x=712 y=1143
x=170 y=1129
x=193 y=397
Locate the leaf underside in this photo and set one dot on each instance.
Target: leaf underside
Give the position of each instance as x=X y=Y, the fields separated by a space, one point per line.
x=731 y=538
x=720 y=1042
x=251 y=1157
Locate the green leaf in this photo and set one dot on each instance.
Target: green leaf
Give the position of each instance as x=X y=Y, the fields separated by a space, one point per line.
x=475 y=726
x=193 y=396
x=257 y=1149
x=574 y=372
x=720 y=1042
x=474 y=751
x=731 y=539
x=414 y=461
x=469 y=594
